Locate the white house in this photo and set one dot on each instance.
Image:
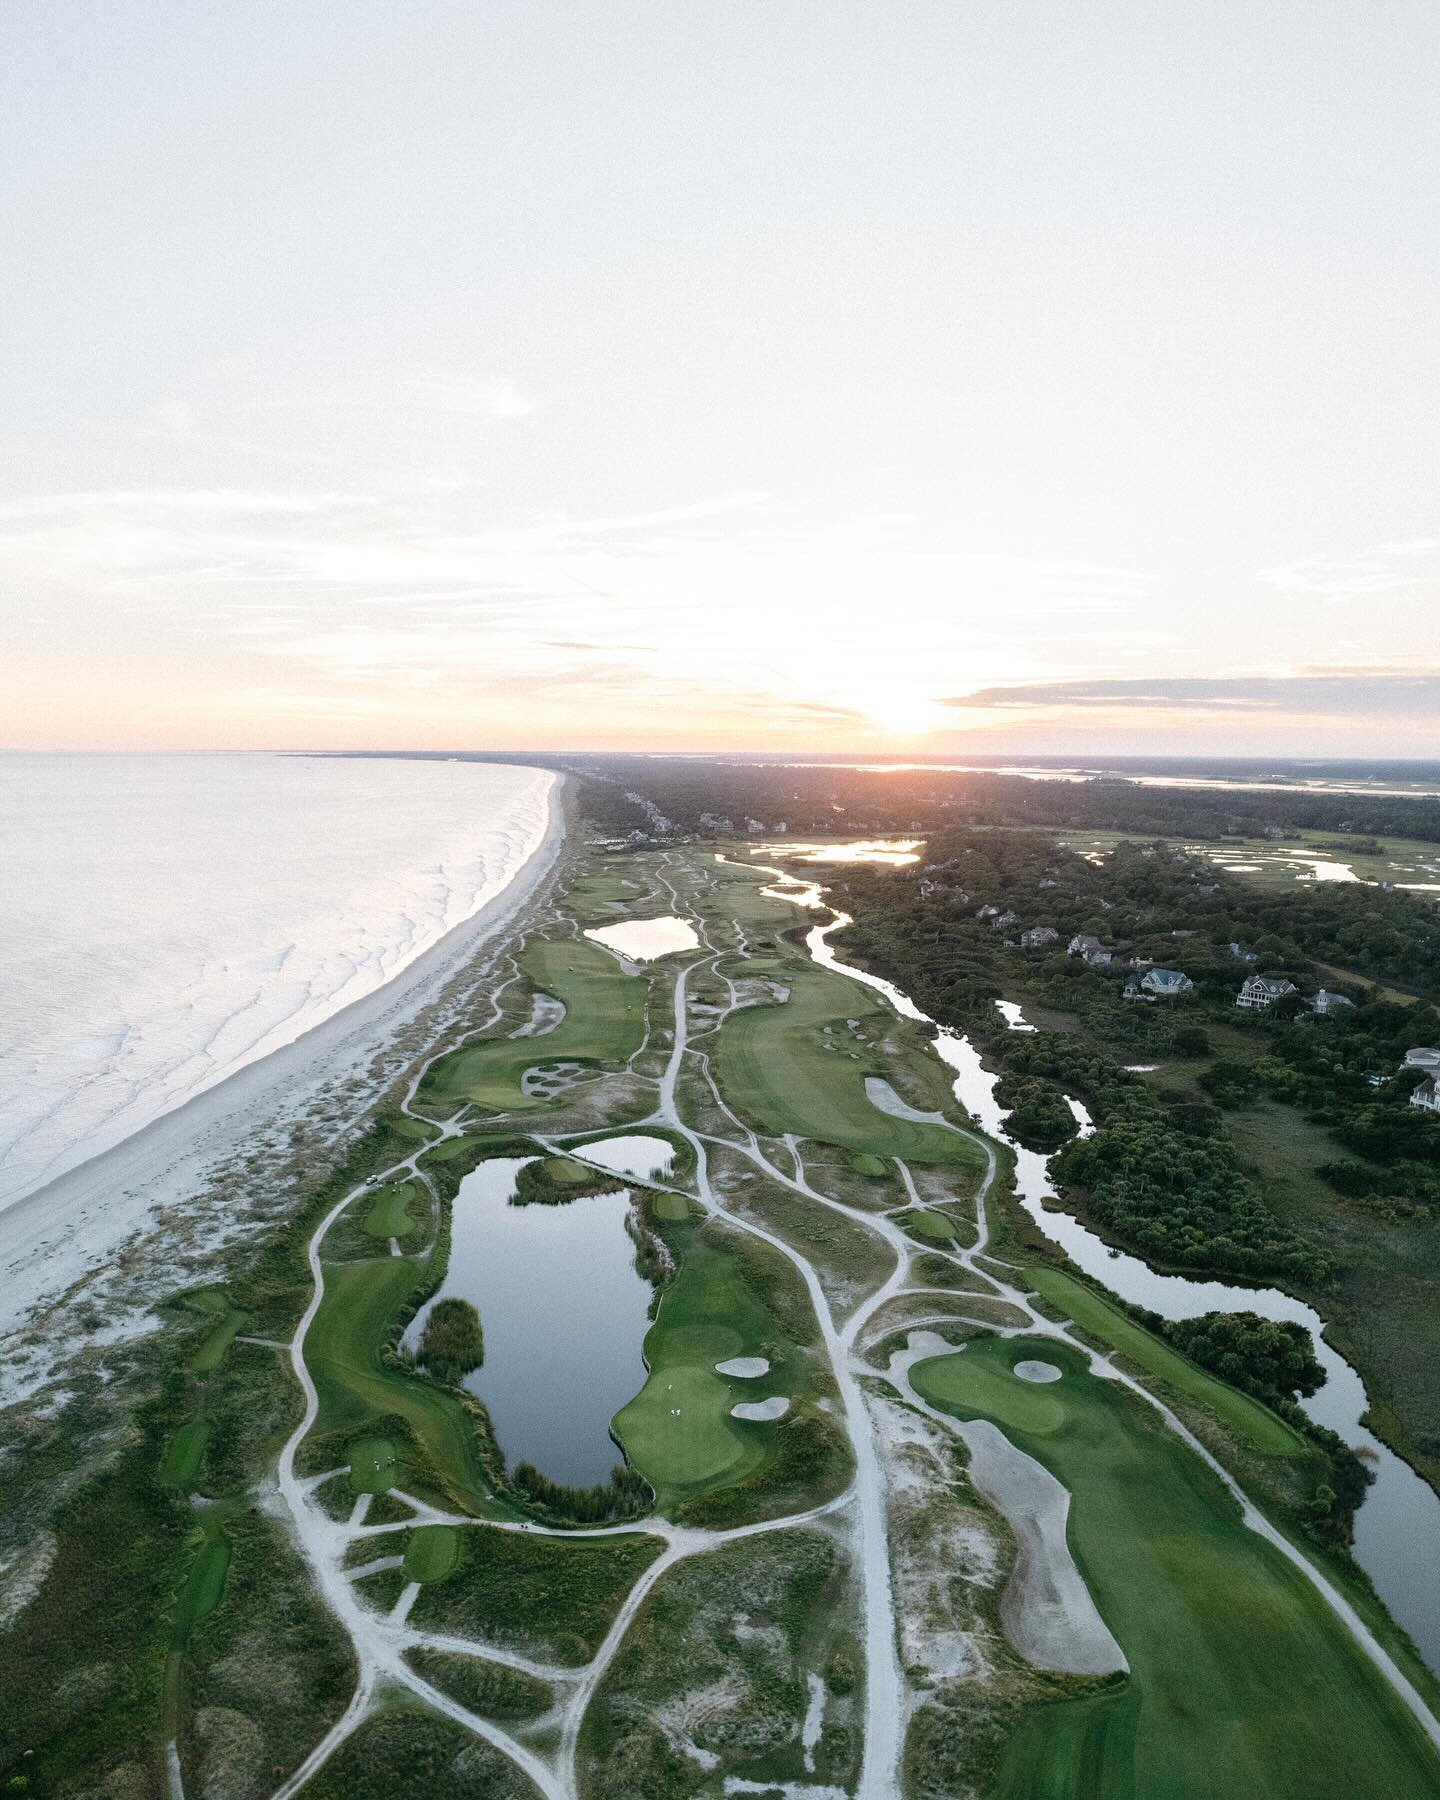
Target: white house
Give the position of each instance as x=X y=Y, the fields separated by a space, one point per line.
x=1258 y=993
x=1084 y=944
x=1326 y=1002
x=1427 y=1094
x=1167 y=983
x=1421 y=1058
x=1038 y=935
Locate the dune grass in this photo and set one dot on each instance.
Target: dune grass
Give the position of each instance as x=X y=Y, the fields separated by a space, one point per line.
x=1262 y=1429
x=604 y=1023
x=1242 y=1681
x=551 y=1598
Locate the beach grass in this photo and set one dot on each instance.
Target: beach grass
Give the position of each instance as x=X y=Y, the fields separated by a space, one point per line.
x=1242 y=1681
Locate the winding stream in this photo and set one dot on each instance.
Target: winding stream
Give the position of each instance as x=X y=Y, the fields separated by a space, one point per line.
x=1397 y=1525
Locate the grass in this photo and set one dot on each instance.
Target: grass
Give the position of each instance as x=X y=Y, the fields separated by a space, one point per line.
x=204 y=1581
x=403 y=1750
x=935 y=1225
x=431 y=1552
x=356 y=1388
x=1265 y=1431
x=184 y=1454
x=1242 y=1682
x=491 y=1689
x=389 y=1215
x=604 y=1023
x=781 y=1071
x=861 y=1162
x=374 y=1465
x=551 y=1598
x=678 y=1431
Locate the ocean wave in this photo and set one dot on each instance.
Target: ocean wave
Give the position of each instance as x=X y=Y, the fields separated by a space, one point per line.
x=213 y=910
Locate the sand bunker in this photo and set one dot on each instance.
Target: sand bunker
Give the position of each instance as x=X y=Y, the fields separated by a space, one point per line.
x=746 y=1367
x=1047 y=1611
x=1037 y=1371
x=762 y=1411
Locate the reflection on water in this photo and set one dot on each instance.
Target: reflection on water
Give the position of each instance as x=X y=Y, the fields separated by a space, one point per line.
x=1397 y=1526
x=639 y=1154
x=564 y=1314
x=877 y=850
x=642 y=940
x=1012 y=1015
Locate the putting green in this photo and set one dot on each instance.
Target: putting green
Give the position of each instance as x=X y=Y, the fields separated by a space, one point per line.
x=374 y=1465
x=1242 y=1681
x=934 y=1225
x=604 y=1022
x=672 y=1206
x=431 y=1552
x=862 y=1163
x=677 y=1422
x=389 y=1215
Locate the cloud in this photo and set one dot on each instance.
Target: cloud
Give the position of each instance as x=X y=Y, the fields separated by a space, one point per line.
x=1332 y=695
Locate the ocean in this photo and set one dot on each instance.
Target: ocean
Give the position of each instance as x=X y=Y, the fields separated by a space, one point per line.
x=168 y=919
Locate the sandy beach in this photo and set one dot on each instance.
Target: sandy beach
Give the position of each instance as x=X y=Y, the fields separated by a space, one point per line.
x=76 y=1224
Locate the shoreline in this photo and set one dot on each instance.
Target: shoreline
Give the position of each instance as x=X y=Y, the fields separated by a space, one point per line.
x=74 y=1224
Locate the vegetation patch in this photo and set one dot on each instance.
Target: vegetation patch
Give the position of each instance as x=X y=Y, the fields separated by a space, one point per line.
x=493 y=1690
x=405 y=1750
x=549 y=1598
x=452 y=1343
x=921 y=1222
x=184 y=1453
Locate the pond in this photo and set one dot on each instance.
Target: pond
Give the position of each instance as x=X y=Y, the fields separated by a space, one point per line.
x=643 y=940
x=564 y=1313
x=640 y=1155
x=1397 y=1526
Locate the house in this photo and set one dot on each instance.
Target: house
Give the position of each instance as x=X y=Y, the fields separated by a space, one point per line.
x=1142 y=963
x=1326 y=1002
x=1427 y=1094
x=1258 y=993
x=1099 y=959
x=1082 y=944
x=1241 y=954
x=1133 y=991
x=1421 y=1058
x=1001 y=920
x=1038 y=935
x=1167 y=984
x=988 y=912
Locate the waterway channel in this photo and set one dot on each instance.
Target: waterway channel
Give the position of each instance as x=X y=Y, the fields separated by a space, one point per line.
x=1397 y=1525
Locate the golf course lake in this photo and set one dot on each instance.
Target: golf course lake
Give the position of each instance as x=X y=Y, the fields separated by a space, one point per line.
x=564 y=1314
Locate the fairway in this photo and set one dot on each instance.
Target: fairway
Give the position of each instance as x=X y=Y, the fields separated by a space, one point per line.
x=355 y=1389
x=1264 y=1430
x=1242 y=1683
x=604 y=1022
x=183 y=1455
x=781 y=1069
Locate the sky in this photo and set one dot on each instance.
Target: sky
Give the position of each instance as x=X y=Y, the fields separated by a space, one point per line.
x=979 y=376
